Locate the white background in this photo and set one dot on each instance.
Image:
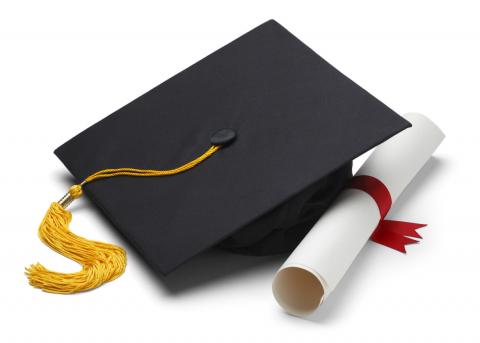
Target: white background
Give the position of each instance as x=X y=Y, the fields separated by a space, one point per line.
x=64 y=66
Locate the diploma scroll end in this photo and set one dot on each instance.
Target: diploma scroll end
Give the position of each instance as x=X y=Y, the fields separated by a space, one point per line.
x=298 y=290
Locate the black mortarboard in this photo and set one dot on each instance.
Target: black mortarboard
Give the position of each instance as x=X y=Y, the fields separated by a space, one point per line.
x=298 y=121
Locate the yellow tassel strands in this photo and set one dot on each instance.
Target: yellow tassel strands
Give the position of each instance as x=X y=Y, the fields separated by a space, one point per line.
x=101 y=262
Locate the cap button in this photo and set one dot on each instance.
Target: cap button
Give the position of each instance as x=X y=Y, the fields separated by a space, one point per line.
x=223 y=137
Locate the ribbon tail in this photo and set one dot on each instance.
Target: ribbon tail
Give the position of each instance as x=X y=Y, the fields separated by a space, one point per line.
x=396 y=234
x=402 y=228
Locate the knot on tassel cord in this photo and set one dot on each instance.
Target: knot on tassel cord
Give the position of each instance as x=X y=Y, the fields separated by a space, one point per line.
x=101 y=262
x=75 y=191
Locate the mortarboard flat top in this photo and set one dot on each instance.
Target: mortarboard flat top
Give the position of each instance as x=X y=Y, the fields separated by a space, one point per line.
x=297 y=120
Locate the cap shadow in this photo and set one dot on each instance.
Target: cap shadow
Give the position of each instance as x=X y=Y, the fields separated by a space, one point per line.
x=217 y=265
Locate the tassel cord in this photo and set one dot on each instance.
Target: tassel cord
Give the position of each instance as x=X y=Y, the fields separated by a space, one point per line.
x=101 y=262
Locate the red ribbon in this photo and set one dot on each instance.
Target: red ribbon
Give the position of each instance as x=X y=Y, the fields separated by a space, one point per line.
x=391 y=233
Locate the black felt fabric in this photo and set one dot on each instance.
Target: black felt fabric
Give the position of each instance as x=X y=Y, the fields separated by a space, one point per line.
x=281 y=229
x=297 y=121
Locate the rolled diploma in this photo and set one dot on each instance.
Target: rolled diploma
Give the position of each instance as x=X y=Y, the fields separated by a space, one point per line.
x=316 y=266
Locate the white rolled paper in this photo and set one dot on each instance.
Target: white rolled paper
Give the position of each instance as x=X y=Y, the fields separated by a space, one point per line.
x=319 y=262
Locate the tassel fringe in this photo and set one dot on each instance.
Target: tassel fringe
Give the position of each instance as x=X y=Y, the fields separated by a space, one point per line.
x=101 y=262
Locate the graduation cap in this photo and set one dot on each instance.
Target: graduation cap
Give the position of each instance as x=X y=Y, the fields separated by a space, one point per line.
x=244 y=149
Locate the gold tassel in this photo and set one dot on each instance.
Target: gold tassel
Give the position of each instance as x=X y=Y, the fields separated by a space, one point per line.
x=101 y=262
